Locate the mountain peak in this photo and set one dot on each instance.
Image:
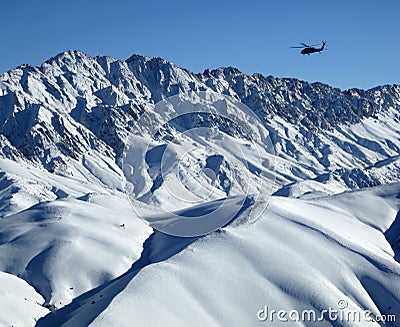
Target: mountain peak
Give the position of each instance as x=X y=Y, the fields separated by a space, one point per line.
x=138 y=57
x=69 y=55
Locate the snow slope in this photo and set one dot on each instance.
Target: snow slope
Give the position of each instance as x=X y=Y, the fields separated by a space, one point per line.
x=302 y=255
x=20 y=303
x=68 y=236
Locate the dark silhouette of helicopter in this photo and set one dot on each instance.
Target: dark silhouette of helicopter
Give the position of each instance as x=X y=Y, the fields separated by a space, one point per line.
x=308 y=49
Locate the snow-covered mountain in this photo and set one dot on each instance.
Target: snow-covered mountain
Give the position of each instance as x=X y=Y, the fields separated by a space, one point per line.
x=76 y=105
x=68 y=230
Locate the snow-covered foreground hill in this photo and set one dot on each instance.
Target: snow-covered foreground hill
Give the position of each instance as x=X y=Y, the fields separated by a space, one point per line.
x=65 y=236
x=302 y=255
x=86 y=151
x=92 y=259
x=20 y=304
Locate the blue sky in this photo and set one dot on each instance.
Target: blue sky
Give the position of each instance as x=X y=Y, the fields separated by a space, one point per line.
x=254 y=36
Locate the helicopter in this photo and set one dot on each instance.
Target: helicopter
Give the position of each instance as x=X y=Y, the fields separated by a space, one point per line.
x=308 y=49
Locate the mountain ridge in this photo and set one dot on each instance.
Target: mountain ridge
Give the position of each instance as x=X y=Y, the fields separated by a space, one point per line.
x=74 y=103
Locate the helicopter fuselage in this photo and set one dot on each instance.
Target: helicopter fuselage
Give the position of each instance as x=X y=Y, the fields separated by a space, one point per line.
x=309 y=50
